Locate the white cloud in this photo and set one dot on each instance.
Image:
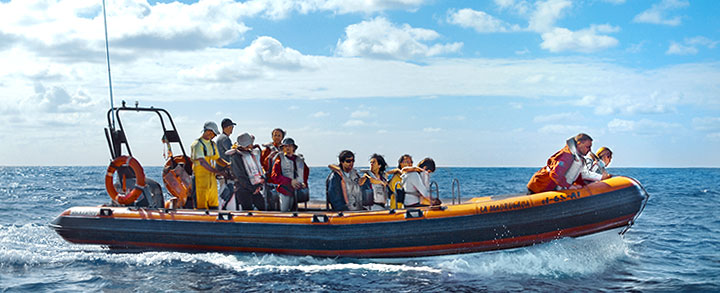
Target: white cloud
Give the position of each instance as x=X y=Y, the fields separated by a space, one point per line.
x=264 y=55
x=360 y=114
x=379 y=38
x=354 y=123
x=689 y=46
x=546 y=13
x=657 y=14
x=642 y=127
x=320 y=114
x=586 y=40
x=479 y=21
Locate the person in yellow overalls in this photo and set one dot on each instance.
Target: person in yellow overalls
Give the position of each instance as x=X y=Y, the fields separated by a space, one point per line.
x=205 y=156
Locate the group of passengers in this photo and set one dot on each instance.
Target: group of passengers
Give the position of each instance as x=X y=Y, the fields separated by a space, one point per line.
x=572 y=167
x=274 y=177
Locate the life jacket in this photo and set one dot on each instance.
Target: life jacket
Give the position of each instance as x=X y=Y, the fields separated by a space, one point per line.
x=542 y=179
x=351 y=193
x=380 y=191
x=293 y=171
x=269 y=155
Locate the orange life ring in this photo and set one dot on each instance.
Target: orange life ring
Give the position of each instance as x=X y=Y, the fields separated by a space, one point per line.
x=130 y=197
x=176 y=181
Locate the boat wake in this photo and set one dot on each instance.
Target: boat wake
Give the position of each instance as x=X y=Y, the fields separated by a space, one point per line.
x=37 y=245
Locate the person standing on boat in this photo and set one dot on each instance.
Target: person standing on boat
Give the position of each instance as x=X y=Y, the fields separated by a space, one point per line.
x=290 y=173
x=271 y=149
x=342 y=185
x=377 y=182
x=249 y=177
x=205 y=156
x=566 y=168
x=224 y=143
x=268 y=156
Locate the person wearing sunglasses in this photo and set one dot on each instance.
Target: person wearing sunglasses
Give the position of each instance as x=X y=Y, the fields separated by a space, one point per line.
x=341 y=187
x=598 y=161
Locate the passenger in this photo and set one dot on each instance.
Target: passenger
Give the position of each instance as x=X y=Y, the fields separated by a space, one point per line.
x=566 y=168
x=416 y=183
x=290 y=173
x=395 y=181
x=378 y=182
x=271 y=149
x=342 y=188
x=224 y=143
x=599 y=161
x=205 y=156
x=249 y=177
x=269 y=154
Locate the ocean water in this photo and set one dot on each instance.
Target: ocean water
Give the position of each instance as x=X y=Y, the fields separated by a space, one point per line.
x=674 y=245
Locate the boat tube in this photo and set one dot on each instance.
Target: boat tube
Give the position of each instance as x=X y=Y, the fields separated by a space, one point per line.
x=479 y=224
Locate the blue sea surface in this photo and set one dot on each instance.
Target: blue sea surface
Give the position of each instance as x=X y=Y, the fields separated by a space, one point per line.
x=673 y=246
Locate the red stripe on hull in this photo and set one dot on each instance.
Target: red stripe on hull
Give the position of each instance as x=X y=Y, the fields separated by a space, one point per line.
x=397 y=251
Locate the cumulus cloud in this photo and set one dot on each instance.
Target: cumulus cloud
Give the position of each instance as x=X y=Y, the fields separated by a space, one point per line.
x=265 y=54
x=690 y=46
x=74 y=29
x=379 y=38
x=658 y=13
x=586 y=40
x=479 y=21
x=546 y=14
x=542 y=17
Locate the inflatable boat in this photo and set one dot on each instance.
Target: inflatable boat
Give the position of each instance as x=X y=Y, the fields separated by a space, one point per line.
x=478 y=224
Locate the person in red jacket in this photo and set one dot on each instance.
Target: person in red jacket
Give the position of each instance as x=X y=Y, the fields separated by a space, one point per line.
x=290 y=173
x=566 y=168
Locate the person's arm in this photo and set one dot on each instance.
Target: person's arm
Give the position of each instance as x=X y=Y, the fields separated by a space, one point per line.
x=277 y=176
x=241 y=178
x=335 y=194
x=306 y=176
x=557 y=172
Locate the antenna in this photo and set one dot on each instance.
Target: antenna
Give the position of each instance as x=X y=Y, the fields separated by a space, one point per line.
x=107 y=57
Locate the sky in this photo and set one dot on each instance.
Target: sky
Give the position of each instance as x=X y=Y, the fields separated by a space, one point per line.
x=469 y=83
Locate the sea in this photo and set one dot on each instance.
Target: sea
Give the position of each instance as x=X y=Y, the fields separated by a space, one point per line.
x=673 y=246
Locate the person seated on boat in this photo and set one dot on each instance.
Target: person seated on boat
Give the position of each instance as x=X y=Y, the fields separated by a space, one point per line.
x=416 y=183
x=397 y=194
x=290 y=173
x=341 y=187
x=206 y=160
x=375 y=178
x=597 y=162
x=249 y=177
x=566 y=168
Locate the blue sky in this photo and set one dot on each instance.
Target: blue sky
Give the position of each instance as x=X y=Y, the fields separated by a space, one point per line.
x=469 y=83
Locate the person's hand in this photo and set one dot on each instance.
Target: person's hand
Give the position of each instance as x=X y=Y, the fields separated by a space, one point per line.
x=605 y=175
x=257 y=190
x=296 y=184
x=575 y=186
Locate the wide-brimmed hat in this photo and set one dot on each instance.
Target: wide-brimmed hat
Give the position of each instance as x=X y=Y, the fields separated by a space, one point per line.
x=245 y=140
x=289 y=141
x=211 y=126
